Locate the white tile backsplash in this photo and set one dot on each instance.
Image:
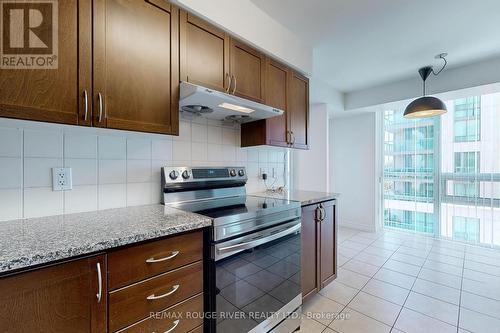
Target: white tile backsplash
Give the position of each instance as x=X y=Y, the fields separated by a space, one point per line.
x=111 y=168
x=42 y=201
x=11 y=142
x=82 y=198
x=112 y=196
x=38 y=171
x=11 y=169
x=11 y=203
x=112 y=171
x=80 y=145
x=84 y=170
x=43 y=143
x=112 y=147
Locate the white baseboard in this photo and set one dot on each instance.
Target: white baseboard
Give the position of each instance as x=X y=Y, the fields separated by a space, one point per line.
x=357 y=226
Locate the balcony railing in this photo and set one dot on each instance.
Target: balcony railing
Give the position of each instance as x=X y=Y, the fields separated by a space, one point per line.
x=410 y=146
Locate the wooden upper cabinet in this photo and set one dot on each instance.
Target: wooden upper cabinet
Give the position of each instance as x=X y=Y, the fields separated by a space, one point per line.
x=136 y=76
x=60 y=298
x=247 y=67
x=298 y=110
x=277 y=96
x=57 y=94
x=204 y=51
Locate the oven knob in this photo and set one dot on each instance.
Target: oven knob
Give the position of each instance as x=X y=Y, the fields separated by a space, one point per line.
x=185 y=174
x=232 y=173
x=173 y=175
x=241 y=173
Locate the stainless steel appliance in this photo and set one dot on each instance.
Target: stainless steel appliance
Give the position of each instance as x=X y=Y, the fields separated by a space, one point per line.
x=254 y=276
x=212 y=104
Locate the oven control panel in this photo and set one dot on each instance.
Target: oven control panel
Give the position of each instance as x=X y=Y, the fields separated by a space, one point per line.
x=202 y=174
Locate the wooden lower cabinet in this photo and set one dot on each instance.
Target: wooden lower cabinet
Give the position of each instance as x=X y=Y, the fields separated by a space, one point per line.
x=59 y=298
x=319 y=247
x=75 y=296
x=183 y=317
x=138 y=301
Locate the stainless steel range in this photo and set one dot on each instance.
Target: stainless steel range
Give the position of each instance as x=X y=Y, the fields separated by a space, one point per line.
x=254 y=276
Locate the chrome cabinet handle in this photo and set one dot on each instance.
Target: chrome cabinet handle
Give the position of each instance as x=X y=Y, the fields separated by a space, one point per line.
x=152 y=297
x=323 y=213
x=86 y=104
x=99 y=281
x=99 y=100
x=317 y=214
x=259 y=241
x=292 y=136
x=234 y=89
x=173 y=327
x=153 y=260
x=287 y=137
x=229 y=83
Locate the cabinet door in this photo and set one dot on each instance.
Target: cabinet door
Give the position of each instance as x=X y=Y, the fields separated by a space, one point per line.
x=60 y=298
x=328 y=241
x=277 y=96
x=204 y=53
x=136 y=61
x=310 y=258
x=55 y=94
x=247 y=69
x=298 y=109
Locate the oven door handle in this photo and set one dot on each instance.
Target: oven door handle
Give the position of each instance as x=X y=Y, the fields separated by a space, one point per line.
x=259 y=241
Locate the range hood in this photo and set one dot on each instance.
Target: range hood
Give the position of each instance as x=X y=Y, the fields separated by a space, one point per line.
x=212 y=104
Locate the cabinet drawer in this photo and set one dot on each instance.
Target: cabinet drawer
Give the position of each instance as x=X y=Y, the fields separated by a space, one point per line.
x=139 y=262
x=136 y=302
x=176 y=316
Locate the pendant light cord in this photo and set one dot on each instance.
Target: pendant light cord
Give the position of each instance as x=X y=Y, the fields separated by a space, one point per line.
x=444 y=65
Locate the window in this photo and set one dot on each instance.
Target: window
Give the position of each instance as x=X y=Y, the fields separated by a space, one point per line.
x=467 y=108
x=466 y=228
x=409 y=220
x=466 y=189
x=467 y=162
x=467 y=130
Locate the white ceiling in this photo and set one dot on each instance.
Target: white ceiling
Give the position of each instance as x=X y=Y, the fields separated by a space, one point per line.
x=363 y=43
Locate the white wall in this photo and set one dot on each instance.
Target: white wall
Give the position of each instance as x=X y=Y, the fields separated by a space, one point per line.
x=112 y=168
x=248 y=22
x=354 y=168
x=311 y=167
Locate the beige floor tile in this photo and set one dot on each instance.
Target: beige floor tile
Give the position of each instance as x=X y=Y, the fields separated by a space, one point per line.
x=386 y=291
x=482 y=288
x=478 y=322
x=409 y=259
x=443 y=293
x=351 y=279
x=339 y=292
x=402 y=267
x=442 y=267
x=433 y=308
x=310 y=326
x=322 y=309
x=376 y=308
x=371 y=259
x=398 y=279
x=356 y=322
x=361 y=267
x=410 y=321
x=449 y=280
x=480 y=304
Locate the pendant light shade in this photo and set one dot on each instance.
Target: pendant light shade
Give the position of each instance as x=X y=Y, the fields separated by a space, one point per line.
x=426 y=106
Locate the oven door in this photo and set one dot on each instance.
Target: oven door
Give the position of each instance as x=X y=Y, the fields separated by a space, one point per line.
x=258 y=279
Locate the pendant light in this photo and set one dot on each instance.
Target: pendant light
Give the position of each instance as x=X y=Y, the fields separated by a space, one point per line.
x=427 y=106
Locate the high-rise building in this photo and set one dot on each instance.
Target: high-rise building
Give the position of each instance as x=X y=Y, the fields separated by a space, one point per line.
x=442 y=175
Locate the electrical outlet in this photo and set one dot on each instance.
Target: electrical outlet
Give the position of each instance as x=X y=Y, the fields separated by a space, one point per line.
x=62 y=179
x=274 y=173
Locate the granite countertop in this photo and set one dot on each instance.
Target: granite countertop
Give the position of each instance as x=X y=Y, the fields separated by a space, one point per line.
x=30 y=242
x=305 y=197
